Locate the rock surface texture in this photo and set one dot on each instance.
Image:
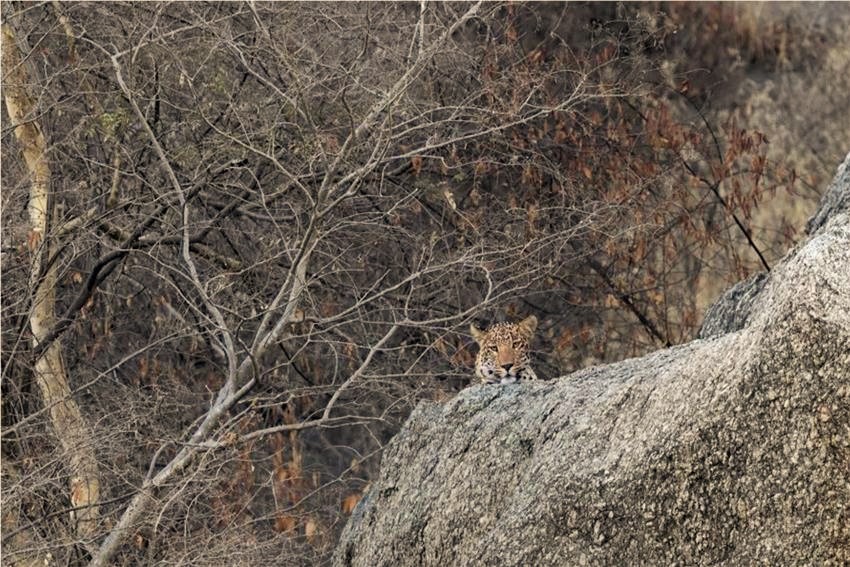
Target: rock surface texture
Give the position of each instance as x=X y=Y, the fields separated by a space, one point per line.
x=733 y=449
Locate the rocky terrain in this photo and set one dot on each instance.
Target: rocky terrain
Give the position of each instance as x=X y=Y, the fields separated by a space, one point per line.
x=733 y=449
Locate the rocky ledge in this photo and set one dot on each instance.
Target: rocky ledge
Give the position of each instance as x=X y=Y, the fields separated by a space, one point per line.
x=733 y=449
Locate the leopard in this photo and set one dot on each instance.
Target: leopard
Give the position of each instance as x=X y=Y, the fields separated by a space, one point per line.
x=503 y=355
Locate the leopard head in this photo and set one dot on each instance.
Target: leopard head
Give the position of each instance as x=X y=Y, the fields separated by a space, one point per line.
x=503 y=354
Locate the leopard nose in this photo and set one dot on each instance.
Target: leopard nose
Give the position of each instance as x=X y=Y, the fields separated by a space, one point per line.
x=507 y=367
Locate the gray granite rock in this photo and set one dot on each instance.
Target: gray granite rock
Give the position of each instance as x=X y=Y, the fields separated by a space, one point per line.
x=732 y=310
x=835 y=200
x=730 y=450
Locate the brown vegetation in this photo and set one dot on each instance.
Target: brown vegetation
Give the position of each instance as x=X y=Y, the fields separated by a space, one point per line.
x=272 y=224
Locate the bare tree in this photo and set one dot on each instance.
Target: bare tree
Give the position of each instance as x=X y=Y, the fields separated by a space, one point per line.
x=49 y=371
x=273 y=224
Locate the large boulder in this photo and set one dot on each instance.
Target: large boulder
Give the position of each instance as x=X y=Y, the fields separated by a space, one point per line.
x=733 y=449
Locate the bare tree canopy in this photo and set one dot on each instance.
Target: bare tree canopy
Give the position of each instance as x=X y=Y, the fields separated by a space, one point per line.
x=242 y=240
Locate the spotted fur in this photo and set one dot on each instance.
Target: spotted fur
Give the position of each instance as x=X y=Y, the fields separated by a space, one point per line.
x=503 y=355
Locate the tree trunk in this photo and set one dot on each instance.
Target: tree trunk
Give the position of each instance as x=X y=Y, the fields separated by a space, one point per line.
x=49 y=369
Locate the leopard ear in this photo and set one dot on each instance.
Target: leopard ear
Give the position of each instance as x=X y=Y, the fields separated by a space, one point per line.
x=527 y=326
x=476 y=333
